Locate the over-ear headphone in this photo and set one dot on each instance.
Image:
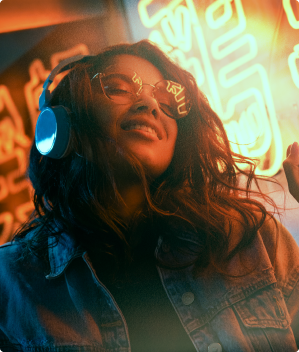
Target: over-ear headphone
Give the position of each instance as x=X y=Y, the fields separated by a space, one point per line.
x=53 y=131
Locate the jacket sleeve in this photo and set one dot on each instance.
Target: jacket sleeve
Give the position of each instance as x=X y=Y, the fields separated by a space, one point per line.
x=284 y=254
x=5 y=344
x=293 y=306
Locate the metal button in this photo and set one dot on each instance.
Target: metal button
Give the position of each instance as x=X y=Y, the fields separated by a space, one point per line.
x=215 y=347
x=165 y=247
x=284 y=324
x=188 y=298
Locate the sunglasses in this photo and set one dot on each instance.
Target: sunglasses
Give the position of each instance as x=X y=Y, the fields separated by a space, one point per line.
x=125 y=87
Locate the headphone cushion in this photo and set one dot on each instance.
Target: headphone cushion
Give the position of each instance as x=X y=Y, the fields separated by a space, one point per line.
x=53 y=132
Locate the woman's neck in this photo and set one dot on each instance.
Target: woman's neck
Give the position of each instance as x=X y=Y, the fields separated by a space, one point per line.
x=133 y=197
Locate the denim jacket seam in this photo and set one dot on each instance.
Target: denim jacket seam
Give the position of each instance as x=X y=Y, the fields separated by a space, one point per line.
x=259 y=283
x=234 y=296
x=291 y=282
x=10 y=244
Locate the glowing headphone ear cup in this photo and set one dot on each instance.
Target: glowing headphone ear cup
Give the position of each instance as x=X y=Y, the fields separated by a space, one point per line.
x=53 y=132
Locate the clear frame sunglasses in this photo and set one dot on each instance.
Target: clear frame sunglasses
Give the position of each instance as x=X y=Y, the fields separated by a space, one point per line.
x=124 y=88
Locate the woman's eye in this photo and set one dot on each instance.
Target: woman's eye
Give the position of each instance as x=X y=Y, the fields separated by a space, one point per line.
x=117 y=86
x=117 y=90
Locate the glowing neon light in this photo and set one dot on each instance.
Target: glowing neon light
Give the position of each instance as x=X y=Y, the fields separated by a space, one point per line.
x=14 y=143
x=224 y=72
x=256 y=112
x=292 y=65
x=190 y=64
x=203 y=49
x=156 y=37
x=177 y=28
x=183 y=105
x=234 y=32
x=290 y=14
x=6 y=102
x=250 y=129
x=256 y=126
x=6 y=220
x=227 y=14
x=137 y=79
x=38 y=74
x=73 y=51
x=225 y=82
x=175 y=89
x=255 y=123
x=150 y=22
x=14 y=146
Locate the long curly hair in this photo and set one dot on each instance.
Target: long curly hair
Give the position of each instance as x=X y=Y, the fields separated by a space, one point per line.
x=200 y=188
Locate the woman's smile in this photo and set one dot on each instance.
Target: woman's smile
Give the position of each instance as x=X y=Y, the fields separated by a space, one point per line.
x=143 y=131
x=143 y=124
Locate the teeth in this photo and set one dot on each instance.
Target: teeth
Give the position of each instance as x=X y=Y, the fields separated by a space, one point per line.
x=140 y=127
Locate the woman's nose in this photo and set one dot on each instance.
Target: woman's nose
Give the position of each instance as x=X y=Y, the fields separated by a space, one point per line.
x=146 y=102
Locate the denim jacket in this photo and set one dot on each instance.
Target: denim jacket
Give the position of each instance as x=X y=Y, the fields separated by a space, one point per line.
x=71 y=310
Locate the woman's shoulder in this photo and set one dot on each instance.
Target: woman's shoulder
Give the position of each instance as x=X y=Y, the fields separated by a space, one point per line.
x=269 y=232
x=235 y=226
x=282 y=247
x=17 y=255
x=272 y=238
x=10 y=250
x=278 y=240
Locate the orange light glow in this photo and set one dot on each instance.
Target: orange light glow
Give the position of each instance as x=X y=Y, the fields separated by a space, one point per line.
x=227 y=63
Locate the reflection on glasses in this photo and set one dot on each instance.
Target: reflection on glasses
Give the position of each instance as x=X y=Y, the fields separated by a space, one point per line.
x=124 y=88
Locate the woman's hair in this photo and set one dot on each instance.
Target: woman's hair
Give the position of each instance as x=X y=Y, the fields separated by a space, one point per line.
x=200 y=186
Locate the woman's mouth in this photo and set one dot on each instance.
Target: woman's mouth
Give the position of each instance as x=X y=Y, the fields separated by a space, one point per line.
x=143 y=128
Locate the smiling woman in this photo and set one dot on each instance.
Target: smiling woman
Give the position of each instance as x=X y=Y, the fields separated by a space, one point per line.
x=128 y=120
x=142 y=238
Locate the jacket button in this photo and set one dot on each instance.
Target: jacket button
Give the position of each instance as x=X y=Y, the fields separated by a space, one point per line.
x=215 y=347
x=284 y=324
x=187 y=298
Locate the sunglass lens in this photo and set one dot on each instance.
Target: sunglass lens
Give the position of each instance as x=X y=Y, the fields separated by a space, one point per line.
x=172 y=98
x=124 y=88
x=118 y=87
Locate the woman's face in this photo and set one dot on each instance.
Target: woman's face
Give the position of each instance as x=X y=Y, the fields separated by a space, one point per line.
x=124 y=123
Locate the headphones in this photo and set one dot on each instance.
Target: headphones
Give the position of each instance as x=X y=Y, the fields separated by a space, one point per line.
x=53 y=131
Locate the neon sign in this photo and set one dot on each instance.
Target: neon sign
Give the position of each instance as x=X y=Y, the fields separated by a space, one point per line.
x=15 y=144
x=136 y=79
x=290 y=14
x=176 y=89
x=292 y=65
x=38 y=74
x=225 y=64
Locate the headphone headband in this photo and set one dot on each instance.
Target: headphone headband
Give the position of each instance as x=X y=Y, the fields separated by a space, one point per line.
x=46 y=96
x=53 y=131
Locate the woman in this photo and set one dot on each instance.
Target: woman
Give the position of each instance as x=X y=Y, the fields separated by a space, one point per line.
x=142 y=238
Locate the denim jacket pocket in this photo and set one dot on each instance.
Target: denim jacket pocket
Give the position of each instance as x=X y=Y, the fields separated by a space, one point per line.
x=266 y=308
x=264 y=316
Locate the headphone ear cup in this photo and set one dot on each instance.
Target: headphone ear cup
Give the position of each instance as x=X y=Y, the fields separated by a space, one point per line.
x=53 y=132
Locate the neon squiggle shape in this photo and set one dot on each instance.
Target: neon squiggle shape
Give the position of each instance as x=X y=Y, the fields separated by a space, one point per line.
x=290 y=14
x=292 y=65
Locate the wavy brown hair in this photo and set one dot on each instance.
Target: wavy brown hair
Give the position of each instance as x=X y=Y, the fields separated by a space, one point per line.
x=200 y=186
